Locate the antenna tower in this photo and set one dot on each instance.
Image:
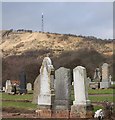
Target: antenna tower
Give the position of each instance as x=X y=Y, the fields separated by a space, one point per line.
x=42 y=22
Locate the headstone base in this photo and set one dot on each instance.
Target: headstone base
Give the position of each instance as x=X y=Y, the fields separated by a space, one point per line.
x=60 y=114
x=81 y=111
x=44 y=113
x=21 y=91
x=105 y=84
x=94 y=85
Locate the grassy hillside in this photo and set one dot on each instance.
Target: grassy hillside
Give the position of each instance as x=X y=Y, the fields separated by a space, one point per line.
x=25 y=51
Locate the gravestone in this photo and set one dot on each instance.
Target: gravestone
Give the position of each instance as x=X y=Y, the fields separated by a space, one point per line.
x=62 y=93
x=81 y=107
x=4 y=89
x=105 y=76
x=36 y=90
x=110 y=78
x=29 y=87
x=45 y=96
x=89 y=81
x=22 y=78
x=97 y=75
x=8 y=87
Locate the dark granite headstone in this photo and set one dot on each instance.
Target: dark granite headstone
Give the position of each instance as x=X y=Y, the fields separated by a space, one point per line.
x=22 y=78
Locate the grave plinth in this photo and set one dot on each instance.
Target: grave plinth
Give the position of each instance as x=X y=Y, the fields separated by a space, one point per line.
x=81 y=111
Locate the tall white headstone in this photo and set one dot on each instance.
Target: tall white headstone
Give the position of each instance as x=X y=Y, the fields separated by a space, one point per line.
x=80 y=85
x=44 y=98
x=8 y=86
x=45 y=95
x=81 y=104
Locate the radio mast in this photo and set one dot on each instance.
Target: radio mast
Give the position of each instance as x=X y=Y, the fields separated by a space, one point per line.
x=42 y=22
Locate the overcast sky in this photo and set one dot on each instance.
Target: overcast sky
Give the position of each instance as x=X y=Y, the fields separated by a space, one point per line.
x=85 y=18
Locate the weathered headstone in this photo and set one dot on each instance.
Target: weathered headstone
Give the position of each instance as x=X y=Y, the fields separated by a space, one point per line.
x=81 y=105
x=105 y=76
x=22 y=78
x=97 y=75
x=45 y=96
x=29 y=87
x=62 y=93
x=110 y=78
x=8 y=87
x=4 y=89
x=36 y=90
x=88 y=80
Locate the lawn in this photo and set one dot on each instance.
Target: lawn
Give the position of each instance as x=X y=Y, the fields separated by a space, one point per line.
x=101 y=98
x=25 y=105
x=5 y=96
x=30 y=106
x=100 y=91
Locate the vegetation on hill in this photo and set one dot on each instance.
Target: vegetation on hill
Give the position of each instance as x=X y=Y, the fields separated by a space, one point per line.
x=25 y=51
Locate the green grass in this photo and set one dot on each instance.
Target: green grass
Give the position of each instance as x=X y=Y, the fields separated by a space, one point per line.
x=98 y=98
x=97 y=108
x=6 y=96
x=100 y=91
x=101 y=98
x=25 y=105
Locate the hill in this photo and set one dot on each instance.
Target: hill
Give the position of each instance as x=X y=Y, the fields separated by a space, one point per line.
x=25 y=50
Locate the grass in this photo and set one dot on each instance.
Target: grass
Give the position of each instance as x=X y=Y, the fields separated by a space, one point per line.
x=25 y=105
x=30 y=106
x=97 y=108
x=6 y=96
x=100 y=91
x=101 y=98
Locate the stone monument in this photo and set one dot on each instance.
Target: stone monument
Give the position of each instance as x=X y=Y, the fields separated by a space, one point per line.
x=22 y=78
x=81 y=107
x=105 y=76
x=97 y=75
x=62 y=102
x=8 y=87
x=45 y=96
x=29 y=87
x=36 y=90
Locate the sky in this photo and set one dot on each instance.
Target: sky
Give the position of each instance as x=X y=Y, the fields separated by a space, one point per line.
x=80 y=18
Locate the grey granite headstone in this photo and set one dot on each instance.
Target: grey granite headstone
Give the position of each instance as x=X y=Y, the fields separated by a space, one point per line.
x=62 y=88
x=105 y=76
x=22 y=78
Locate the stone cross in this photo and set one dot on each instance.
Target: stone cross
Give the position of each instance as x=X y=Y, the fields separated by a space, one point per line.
x=29 y=87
